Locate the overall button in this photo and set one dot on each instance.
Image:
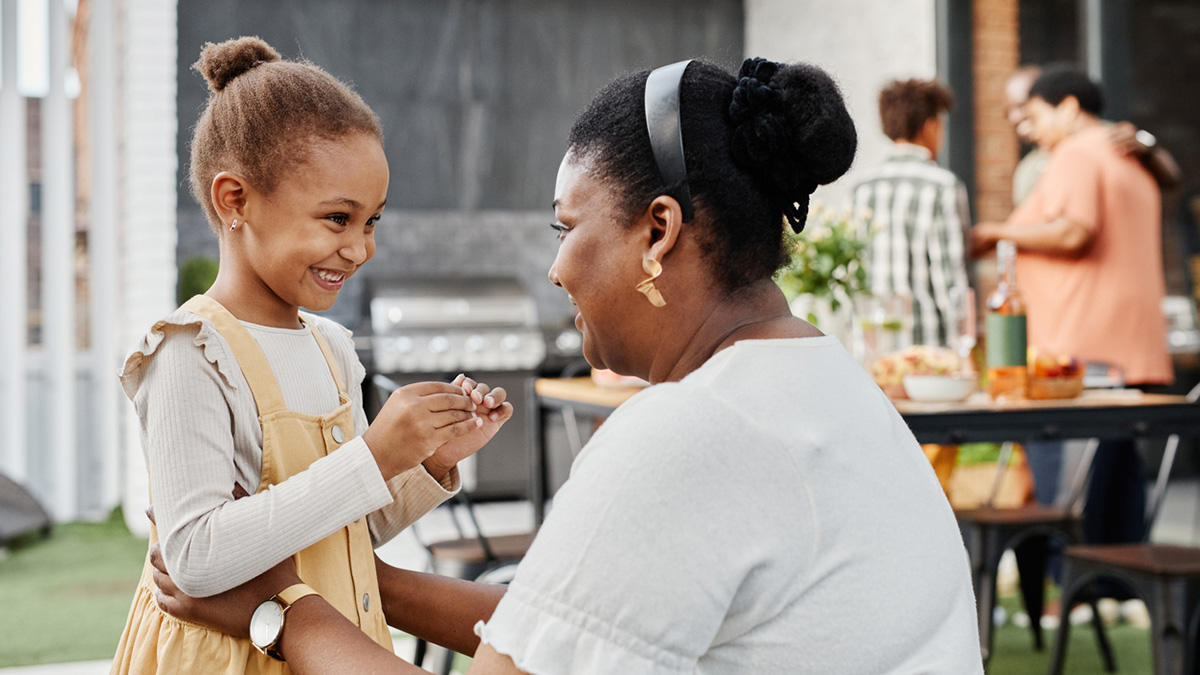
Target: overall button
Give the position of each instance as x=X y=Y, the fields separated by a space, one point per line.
x=337 y=434
x=366 y=602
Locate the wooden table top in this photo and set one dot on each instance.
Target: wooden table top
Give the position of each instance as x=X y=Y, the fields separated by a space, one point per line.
x=584 y=391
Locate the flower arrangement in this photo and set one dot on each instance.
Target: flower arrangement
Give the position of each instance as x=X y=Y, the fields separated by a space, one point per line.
x=827 y=256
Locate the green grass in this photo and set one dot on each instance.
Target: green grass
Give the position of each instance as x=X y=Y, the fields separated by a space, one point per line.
x=1013 y=654
x=65 y=598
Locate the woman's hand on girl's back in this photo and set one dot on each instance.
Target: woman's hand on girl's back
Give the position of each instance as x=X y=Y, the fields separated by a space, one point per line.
x=415 y=421
x=493 y=409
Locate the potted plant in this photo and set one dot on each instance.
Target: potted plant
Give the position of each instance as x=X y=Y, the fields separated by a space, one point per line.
x=826 y=273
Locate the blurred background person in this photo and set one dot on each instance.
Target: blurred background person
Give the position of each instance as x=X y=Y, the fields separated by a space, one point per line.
x=919 y=214
x=1090 y=265
x=919 y=211
x=1125 y=136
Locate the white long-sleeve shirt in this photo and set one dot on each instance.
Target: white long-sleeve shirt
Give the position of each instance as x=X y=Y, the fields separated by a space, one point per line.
x=201 y=434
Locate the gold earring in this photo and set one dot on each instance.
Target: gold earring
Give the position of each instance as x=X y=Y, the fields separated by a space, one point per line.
x=653 y=268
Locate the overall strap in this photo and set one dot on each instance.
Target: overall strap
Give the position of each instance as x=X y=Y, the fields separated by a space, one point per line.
x=333 y=366
x=250 y=357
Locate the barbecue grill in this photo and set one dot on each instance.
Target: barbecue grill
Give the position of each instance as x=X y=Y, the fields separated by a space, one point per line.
x=434 y=329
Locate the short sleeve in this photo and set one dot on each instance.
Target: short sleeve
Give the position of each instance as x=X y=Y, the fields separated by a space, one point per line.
x=640 y=559
x=1070 y=186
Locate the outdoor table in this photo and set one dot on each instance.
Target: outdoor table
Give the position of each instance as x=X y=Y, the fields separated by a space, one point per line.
x=1101 y=414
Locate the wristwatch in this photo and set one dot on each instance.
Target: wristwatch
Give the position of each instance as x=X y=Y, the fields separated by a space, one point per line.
x=1146 y=138
x=266 y=625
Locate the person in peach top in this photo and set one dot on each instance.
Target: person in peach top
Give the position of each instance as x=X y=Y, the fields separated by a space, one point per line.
x=1089 y=236
x=1090 y=269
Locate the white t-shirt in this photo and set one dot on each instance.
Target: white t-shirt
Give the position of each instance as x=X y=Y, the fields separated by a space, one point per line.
x=771 y=513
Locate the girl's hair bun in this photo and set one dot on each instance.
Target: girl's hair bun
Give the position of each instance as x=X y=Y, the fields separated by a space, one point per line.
x=220 y=63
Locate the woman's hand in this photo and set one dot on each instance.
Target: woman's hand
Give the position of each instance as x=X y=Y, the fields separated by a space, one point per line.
x=227 y=612
x=415 y=421
x=492 y=408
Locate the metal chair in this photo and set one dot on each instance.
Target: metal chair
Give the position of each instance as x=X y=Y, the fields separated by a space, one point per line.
x=470 y=554
x=989 y=531
x=1165 y=577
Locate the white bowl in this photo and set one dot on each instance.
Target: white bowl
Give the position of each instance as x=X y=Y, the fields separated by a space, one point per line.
x=938 y=387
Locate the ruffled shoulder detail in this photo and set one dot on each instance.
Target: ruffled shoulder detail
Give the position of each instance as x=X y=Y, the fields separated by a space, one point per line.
x=207 y=339
x=341 y=343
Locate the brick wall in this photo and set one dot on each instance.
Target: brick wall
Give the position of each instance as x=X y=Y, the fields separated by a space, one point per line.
x=997 y=53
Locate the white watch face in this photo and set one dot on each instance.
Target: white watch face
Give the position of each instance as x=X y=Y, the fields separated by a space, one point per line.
x=266 y=624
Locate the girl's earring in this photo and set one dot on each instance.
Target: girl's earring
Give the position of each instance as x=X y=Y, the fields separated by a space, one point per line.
x=233 y=226
x=654 y=269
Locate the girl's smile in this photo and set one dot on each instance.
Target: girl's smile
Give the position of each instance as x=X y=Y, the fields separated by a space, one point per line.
x=299 y=242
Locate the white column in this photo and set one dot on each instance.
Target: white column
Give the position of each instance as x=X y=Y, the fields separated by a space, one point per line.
x=58 y=270
x=862 y=44
x=14 y=213
x=149 y=122
x=102 y=245
x=1093 y=38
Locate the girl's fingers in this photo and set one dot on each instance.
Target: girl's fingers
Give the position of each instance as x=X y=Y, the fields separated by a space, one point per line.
x=456 y=427
x=502 y=412
x=479 y=392
x=449 y=418
x=495 y=397
x=430 y=388
x=442 y=402
x=458 y=381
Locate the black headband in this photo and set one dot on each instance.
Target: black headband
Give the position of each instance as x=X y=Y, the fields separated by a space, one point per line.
x=665 y=126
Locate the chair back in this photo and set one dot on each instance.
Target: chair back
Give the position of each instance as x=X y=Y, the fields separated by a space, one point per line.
x=1159 y=493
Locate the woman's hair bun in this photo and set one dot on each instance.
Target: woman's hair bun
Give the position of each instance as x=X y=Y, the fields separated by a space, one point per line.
x=220 y=63
x=791 y=129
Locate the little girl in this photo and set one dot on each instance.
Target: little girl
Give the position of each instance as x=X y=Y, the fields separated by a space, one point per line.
x=240 y=391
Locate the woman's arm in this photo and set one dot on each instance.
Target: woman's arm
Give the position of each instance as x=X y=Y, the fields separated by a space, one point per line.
x=438 y=609
x=1062 y=237
x=317 y=639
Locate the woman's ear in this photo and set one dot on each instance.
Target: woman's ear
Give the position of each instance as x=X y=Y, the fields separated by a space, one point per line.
x=229 y=196
x=664 y=221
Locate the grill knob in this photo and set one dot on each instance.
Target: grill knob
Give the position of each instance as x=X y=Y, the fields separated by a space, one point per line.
x=568 y=341
x=475 y=343
x=439 y=344
x=395 y=315
x=511 y=342
x=403 y=344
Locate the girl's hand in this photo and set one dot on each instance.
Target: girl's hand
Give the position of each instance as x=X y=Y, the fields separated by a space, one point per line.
x=417 y=420
x=493 y=410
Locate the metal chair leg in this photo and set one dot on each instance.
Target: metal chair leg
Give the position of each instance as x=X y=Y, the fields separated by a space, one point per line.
x=1110 y=664
x=1070 y=590
x=1031 y=558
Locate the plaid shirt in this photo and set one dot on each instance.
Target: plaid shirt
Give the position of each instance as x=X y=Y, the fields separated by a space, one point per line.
x=919 y=216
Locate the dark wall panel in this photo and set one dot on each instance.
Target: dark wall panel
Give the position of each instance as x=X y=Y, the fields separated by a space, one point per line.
x=476 y=97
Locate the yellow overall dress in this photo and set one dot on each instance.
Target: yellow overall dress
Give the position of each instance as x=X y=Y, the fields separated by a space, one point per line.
x=341 y=567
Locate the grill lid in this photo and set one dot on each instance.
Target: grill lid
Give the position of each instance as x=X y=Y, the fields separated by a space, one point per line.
x=441 y=325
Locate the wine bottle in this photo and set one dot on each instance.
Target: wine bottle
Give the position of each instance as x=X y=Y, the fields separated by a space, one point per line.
x=1006 y=329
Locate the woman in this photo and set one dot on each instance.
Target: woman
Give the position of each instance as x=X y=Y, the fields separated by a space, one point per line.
x=762 y=508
